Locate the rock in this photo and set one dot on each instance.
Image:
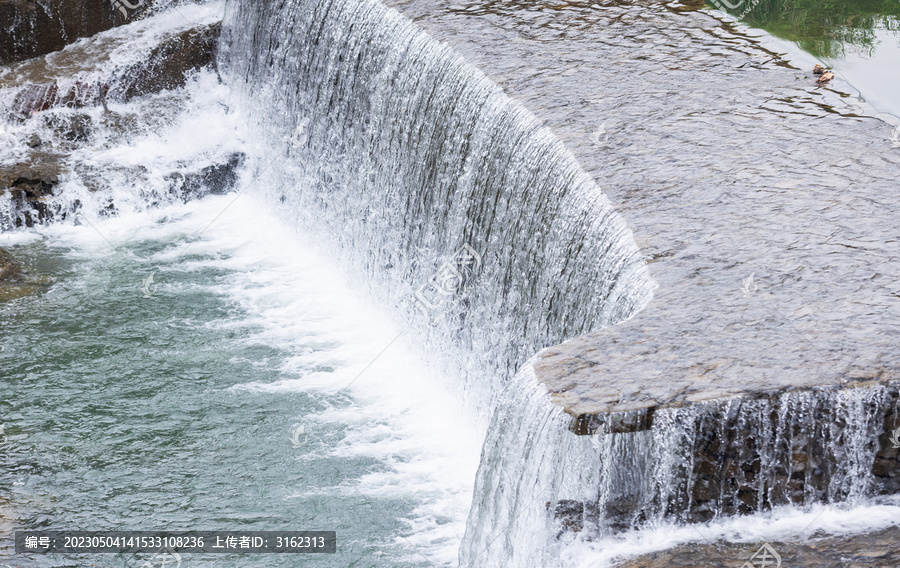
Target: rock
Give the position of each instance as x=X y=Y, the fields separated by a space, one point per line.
x=825 y=77
x=75 y=127
x=166 y=67
x=36 y=98
x=10 y=270
x=170 y=62
x=217 y=179
x=38 y=27
x=29 y=184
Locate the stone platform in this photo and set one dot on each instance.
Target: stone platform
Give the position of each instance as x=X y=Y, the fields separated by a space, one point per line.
x=767 y=209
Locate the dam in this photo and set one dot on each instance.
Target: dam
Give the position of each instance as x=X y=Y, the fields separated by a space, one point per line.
x=679 y=305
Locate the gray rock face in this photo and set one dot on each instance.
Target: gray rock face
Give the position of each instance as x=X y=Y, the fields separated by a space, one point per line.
x=170 y=62
x=31 y=28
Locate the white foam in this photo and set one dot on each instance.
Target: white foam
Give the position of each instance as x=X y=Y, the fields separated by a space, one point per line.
x=402 y=413
x=782 y=524
x=399 y=412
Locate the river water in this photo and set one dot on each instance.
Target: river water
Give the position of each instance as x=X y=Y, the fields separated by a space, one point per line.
x=246 y=386
x=259 y=381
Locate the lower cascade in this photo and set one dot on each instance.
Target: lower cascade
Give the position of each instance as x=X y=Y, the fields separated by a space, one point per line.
x=560 y=478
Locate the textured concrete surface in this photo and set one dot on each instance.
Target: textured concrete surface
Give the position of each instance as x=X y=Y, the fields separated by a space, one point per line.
x=728 y=163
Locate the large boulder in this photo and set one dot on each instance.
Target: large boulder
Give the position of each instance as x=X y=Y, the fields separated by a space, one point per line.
x=31 y=28
x=169 y=63
x=166 y=67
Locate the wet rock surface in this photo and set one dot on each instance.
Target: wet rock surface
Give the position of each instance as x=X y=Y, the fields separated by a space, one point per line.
x=216 y=179
x=68 y=112
x=880 y=549
x=744 y=455
x=33 y=28
x=169 y=64
x=30 y=184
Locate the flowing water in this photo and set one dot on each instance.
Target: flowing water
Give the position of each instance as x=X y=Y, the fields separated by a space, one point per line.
x=323 y=348
x=859 y=40
x=240 y=387
x=249 y=385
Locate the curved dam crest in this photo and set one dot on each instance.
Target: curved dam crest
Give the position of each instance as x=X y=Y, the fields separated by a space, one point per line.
x=767 y=221
x=729 y=352
x=406 y=153
x=389 y=116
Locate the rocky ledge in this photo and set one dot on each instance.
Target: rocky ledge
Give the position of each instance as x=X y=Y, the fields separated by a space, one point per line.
x=69 y=115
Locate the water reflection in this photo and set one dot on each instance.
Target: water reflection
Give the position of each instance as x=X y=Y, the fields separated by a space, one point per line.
x=824 y=28
x=859 y=38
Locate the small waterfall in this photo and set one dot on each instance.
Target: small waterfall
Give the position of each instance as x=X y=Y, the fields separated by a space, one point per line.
x=64 y=118
x=402 y=154
x=540 y=485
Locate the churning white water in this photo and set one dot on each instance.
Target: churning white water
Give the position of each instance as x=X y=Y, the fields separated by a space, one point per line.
x=292 y=380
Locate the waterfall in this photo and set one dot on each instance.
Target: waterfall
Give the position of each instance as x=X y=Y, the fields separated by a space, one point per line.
x=404 y=155
x=540 y=485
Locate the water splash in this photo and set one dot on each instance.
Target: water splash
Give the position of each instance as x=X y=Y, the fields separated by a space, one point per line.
x=406 y=154
x=700 y=463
